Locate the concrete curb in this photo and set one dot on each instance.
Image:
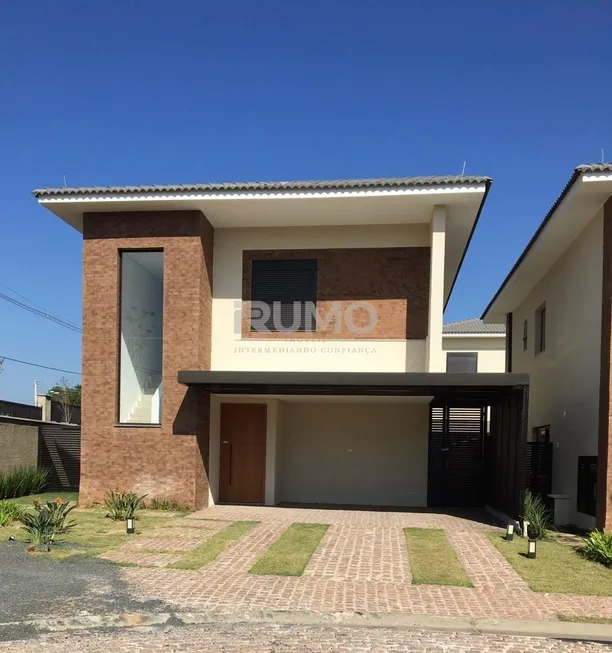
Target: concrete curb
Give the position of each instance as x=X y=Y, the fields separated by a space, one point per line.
x=601 y=633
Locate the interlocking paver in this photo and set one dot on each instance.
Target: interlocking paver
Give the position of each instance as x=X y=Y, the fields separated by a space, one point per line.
x=374 y=554
x=267 y=637
x=141 y=558
x=361 y=565
x=160 y=544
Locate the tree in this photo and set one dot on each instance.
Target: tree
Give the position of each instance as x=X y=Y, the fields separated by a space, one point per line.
x=74 y=391
x=67 y=396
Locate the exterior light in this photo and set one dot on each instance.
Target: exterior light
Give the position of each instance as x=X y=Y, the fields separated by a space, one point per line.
x=531 y=549
x=130 y=525
x=510 y=533
x=525 y=528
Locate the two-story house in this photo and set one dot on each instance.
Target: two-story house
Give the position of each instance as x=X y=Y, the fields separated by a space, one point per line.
x=282 y=343
x=557 y=304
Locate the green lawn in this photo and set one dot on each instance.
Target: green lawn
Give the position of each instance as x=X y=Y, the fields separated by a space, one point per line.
x=47 y=496
x=290 y=554
x=558 y=568
x=214 y=546
x=93 y=534
x=432 y=559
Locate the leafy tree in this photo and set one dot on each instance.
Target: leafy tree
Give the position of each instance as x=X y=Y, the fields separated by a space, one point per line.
x=72 y=391
x=67 y=396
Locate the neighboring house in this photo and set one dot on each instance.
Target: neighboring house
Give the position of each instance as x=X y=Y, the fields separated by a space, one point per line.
x=473 y=346
x=207 y=377
x=556 y=302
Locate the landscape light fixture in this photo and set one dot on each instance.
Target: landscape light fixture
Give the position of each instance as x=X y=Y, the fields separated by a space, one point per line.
x=531 y=549
x=130 y=525
x=509 y=532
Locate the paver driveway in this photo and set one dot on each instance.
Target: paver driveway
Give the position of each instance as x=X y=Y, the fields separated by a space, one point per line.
x=361 y=565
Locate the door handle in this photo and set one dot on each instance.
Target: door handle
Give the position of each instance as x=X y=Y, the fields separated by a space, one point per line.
x=230 y=465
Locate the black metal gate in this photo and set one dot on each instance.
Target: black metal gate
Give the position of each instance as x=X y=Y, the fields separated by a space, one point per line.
x=456 y=456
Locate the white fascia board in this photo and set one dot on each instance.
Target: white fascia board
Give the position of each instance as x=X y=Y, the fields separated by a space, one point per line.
x=265 y=195
x=596 y=176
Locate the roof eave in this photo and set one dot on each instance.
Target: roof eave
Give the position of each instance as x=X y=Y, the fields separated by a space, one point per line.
x=493 y=313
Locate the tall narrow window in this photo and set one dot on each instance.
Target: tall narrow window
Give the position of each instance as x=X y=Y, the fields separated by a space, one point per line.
x=525 y=326
x=141 y=326
x=587 y=484
x=540 y=330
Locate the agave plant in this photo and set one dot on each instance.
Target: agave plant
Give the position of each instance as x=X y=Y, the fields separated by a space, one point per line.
x=121 y=505
x=48 y=522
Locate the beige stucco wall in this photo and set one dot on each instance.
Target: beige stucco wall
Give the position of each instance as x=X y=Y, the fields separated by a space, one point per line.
x=491 y=351
x=367 y=453
x=18 y=444
x=231 y=352
x=564 y=379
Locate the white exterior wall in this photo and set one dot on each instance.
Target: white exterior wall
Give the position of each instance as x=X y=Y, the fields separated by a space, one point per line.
x=564 y=379
x=231 y=352
x=491 y=350
x=371 y=453
x=435 y=358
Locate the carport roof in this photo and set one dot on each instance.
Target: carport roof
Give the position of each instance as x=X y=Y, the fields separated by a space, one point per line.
x=352 y=383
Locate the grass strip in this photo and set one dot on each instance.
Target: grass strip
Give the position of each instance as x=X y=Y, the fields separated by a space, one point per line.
x=433 y=560
x=214 y=546
x=584 y=620
x=557 y=569
x=290 y=554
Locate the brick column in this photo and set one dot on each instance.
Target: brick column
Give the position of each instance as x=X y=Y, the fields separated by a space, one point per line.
x=604 y=453
x=170 y=460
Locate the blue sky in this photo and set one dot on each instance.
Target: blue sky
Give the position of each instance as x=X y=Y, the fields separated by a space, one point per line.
x=131 y=92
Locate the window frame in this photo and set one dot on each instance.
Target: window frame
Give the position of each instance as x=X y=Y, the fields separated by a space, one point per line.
x=540 y=329
x=309 y=265
x=543 y=429
x=586 y=505
x=461 y=355
x=120 y=252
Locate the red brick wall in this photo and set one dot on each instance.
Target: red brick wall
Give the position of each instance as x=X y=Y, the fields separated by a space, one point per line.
x=169 y=460
x=394 y=280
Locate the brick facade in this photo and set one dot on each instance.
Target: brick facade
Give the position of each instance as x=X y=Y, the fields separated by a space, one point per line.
x=394 y=280
x=168 y=460
x=604 y=452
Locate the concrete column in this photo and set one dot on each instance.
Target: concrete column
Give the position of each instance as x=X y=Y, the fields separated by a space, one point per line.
x=435 y=361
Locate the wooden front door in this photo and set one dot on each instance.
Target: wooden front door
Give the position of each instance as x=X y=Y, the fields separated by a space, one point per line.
x=242 y=464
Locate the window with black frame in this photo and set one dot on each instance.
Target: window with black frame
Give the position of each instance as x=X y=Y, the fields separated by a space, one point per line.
x=461 y=362
x=283 y=295
x=587 y=484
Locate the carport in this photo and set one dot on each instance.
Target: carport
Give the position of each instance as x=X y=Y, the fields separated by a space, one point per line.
x=393 y=440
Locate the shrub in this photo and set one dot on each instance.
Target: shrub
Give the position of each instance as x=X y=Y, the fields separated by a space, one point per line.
x=538 y=516
x=9 y=511
x=21 y=481
x=598 y=547
x=121 y=505
x=159 y=503
x=47 y=522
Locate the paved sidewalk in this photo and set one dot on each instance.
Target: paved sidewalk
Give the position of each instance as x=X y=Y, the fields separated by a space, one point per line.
x=360 y=566
x=267 y=637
